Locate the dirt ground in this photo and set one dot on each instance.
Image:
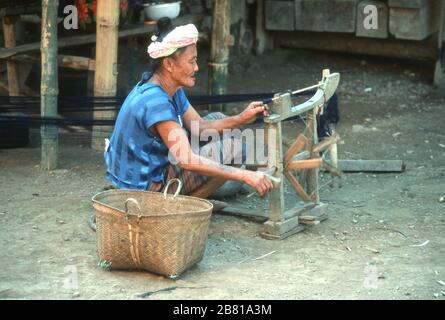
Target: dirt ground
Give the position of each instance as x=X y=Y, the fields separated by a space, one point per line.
x=383 y=239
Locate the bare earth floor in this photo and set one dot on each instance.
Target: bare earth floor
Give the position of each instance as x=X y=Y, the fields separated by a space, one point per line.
x=383 y=239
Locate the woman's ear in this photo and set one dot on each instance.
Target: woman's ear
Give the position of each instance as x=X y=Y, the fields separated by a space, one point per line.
x=168 y=64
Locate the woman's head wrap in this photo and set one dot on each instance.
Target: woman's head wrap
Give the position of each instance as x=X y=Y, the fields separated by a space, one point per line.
x=179 y=37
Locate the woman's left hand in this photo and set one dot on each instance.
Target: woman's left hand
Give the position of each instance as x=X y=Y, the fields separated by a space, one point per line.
x=251 y=112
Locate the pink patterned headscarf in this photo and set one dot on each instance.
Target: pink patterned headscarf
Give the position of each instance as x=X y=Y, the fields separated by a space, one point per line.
x=179 y=37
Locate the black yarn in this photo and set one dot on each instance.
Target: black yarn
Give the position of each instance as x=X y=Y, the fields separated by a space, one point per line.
x=26 y=110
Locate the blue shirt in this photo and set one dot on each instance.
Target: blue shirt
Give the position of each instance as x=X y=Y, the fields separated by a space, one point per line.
x=135 y=156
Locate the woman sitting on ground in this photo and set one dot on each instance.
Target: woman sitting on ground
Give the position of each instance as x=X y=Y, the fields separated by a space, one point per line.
x=149 y=145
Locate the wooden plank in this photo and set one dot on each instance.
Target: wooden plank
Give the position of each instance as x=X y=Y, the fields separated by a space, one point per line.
x=415 y=4
x=315 y=215
x=275 y=153
x=11 y=66
x=414 y=50
x=298 y=210
x=64 y=61
x=312 y=220
x=410 y=23
x=294 y=148
x=62 y=43
x=258 y=215
x=308 y=215
x=341 y=16
x=49 y=88
x=12 y=11
x=281 y=227
x=310 y=15
x=284 y=235
x=91 y=38
x=328 y=16
x=371 y=165
x=77 y=63
x=105 y=75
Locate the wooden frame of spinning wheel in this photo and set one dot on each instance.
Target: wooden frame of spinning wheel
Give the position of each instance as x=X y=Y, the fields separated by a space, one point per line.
x=302 y=155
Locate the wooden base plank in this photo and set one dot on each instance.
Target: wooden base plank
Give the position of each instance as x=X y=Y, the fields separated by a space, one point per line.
x=371 y=165
x=310 y=220
x=257 y=215
x=285 y=235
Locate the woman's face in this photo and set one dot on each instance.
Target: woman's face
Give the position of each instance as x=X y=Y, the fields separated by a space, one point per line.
x=185 y=66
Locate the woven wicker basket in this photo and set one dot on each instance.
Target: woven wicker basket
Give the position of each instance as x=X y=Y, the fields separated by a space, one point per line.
x=160 y=233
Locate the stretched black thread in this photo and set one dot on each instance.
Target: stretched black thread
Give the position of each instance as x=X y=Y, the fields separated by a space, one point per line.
x=10 y=106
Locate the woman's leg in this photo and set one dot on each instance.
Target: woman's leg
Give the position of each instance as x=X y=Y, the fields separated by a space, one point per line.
x=226 y=151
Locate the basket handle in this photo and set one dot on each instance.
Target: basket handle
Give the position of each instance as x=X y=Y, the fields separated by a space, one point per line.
x=134 y=201
x=178 y=189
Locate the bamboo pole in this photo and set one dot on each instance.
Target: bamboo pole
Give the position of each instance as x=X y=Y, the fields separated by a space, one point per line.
x=219 y=50
x=49 y=88
x=11 y=66
x=105 y=75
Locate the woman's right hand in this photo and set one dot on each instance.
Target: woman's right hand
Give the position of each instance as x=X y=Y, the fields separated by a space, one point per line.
x=259 y=181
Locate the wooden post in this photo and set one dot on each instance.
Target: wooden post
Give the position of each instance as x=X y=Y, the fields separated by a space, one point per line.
x=278 y=227
x=219 y=50
x=312 y=138
x=105 y=75
x=439 y=73
x=262 y=39
x=49 y=88
x=12 y=66
x=275 y=154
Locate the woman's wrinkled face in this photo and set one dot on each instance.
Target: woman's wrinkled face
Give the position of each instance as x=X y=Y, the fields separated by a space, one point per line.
x=185 y=66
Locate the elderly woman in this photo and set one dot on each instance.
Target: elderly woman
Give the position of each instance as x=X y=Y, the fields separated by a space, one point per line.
x=150 y=142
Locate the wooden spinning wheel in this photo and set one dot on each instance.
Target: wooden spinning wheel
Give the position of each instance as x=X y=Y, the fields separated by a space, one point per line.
x=302 y=156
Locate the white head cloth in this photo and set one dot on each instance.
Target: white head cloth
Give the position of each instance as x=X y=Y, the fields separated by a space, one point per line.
x=179 y=37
